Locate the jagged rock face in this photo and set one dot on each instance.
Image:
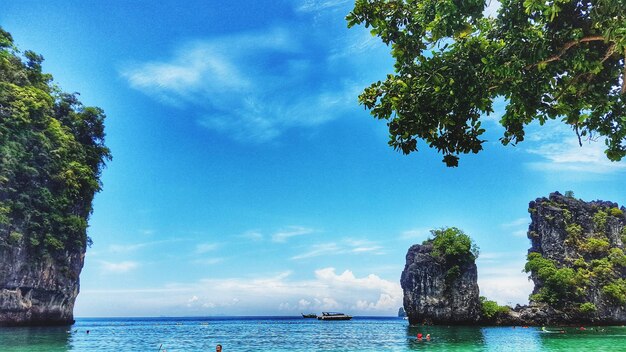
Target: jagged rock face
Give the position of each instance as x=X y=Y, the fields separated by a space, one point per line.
x=551 y=234
x=431 y=298
x=37 y=291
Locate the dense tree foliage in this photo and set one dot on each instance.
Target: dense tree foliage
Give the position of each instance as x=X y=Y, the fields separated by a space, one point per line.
x=559 y=59
x=51 y=154
x=453 y=245
x=491 y=309
x=454 y=248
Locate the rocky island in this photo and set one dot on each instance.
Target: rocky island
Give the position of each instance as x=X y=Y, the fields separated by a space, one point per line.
x=439 y=280
x=576 y=261
x=51 y=154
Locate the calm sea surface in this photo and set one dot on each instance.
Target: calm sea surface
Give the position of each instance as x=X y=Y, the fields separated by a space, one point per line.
x=297 y=334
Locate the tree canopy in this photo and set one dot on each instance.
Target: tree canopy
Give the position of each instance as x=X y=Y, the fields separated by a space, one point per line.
x=453 y=245
x=51 y=155
x=557 y=59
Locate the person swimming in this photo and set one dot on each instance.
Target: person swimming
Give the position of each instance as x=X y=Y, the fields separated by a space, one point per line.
x=419 y=336
x=427 y=337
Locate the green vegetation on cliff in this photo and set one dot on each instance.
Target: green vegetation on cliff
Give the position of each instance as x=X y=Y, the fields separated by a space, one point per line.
x=455 y=248
x=491 y=309
x=453 y=244
x=51 y=154
x=577 y=259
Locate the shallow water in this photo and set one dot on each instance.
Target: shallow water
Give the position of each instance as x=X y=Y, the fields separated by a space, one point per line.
x=297 y=334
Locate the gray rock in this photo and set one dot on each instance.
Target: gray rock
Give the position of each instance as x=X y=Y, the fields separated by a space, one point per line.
x=432 y=298
x=38 y=291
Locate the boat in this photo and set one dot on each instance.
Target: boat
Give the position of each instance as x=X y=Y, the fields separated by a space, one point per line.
x=334 y=316
x=309 y=316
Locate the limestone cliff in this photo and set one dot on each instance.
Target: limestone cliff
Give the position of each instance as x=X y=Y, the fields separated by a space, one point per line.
x=437 y=293
x=51 y=156
x=37 y=291
x=577 y=260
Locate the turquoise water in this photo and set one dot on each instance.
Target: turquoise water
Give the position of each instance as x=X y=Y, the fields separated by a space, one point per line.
x=297 y=334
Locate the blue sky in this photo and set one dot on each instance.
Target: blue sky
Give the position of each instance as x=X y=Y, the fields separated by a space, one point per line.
x=247 y=180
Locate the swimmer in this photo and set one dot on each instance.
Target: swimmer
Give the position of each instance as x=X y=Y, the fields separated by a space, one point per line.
x=427 y=337
x=419 y=336
x=218 y=348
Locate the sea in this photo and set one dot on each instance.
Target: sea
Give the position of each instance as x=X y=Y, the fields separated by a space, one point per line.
x=298 y=334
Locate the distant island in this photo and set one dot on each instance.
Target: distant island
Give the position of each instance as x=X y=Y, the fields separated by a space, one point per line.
x=51 y=154
x=576 y=261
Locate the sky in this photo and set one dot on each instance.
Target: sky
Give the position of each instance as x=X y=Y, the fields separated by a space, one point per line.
x=247 y=180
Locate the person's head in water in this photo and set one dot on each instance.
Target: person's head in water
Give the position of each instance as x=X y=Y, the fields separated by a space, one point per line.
x=218 y=348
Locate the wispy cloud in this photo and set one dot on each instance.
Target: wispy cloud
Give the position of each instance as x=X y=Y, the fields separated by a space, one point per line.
x=319 y=250
x=292 y=231
x=320 y=5
x=205 y=247
x=419 y=234
x=132 y=247
x=250 y=86
x=516 y=223
x=347 y=246
x=558 y=151
x=120 y=267
x=517 y=227
x=208 y=261
x=252 y=235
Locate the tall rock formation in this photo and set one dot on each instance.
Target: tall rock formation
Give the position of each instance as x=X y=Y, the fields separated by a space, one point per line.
x=438 y=291
x=577 y=259
x=577 y=262
x=51 y=154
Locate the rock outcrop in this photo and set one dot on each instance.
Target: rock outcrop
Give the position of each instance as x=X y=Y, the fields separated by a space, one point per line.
x=37 y=292
x=435 y=295
x=52 y=154
x=401 y=312
x=577 y=261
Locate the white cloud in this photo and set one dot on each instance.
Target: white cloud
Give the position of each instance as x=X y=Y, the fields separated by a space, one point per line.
x=517 y=227
x=419 y=234
x=208 y=261
x=205 y=247
x=319 y=250
x=520 y=233
x=252 y=235
x=517 y=223
x=292 y=231
x=557 y=147
x=500 y=277
x=132 y=247
x=347 y=246
x=250 y=86
x=121 y=267
x=320 y=5
x=328 y=290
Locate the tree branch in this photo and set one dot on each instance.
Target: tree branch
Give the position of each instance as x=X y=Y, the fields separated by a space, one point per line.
x=609 y=53
x=565 y=48
x=624 y=75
